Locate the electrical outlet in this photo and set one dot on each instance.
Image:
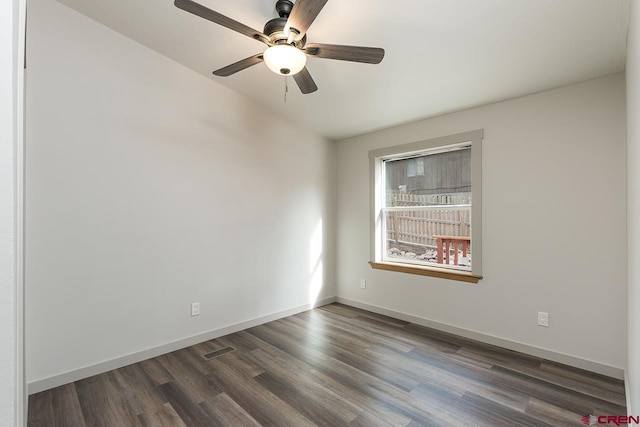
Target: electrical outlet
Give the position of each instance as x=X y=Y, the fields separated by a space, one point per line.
x=363 y=284
x=543 y=319
x=195 y=308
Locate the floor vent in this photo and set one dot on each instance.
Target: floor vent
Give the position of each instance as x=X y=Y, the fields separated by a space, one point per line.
x=218 y=353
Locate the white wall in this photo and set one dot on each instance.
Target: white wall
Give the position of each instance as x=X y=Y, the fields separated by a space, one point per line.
x=633 y=206
x=554 y=219
x=150 y=187
x=11 y=374
x=7 y=218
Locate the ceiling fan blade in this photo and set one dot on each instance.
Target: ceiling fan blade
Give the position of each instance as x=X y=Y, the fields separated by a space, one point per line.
x=239 y=66
x=369 y=55
x=213 y=16
x=305 y=81
x=302 y=15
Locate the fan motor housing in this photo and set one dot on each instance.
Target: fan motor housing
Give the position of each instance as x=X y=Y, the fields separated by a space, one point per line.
x=274 y=26
x=275 y=30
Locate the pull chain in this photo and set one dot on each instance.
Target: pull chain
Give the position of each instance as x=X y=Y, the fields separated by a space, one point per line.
x=286 y=88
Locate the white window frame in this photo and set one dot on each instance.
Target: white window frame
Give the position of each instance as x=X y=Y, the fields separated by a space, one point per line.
x=377 y=201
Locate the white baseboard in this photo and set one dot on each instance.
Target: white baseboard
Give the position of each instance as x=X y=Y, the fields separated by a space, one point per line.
x=88 y=371
x=108 y=365
x=589 y=365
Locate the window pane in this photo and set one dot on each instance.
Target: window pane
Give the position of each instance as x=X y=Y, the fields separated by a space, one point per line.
x=444 y=176
x=420 y=166
x=411 y=167
x=441 y=236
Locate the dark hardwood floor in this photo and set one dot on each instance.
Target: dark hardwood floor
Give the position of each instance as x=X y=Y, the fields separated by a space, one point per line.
x=334 y=366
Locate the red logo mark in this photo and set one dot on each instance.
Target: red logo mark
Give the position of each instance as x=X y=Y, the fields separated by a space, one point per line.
x=617 y=420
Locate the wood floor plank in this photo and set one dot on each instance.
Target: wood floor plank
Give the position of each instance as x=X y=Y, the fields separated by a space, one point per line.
x=414 y=335
x=164 y=416
x=185 y=367
x=370 y=365
x=144 y=397
x=66 y=406
x=380 y=332
x=293 y=382
x=188 y=410
x=241 y=341
x=238 y=361
x=325 y=330
x=41 y=409
x=491 y=356
x=155 y=371
x=341 y=310
x=103 y=402
x=421 y=371
x=287 y=328
x=258 y=401
x=552 y=414
x=573 y=383
x=585 y=382
x=225 y=412
x=309 y=355
x=251 y=342
x=400 y=401
x=369 y=420
x=322 y=408
x=485 y=382
x=471 y=345
x=576 y=402
x=370 y=407
x=353 y=312
x=334 y=366
x=497 y=415
x=454 y=404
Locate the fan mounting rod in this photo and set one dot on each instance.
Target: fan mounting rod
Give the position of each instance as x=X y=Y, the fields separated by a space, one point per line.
x=283 y=7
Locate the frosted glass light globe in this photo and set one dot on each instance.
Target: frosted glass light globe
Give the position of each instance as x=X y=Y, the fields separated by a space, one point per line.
x=285 y=59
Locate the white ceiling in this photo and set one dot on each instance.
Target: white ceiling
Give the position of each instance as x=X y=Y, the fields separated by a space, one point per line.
x=441 y=55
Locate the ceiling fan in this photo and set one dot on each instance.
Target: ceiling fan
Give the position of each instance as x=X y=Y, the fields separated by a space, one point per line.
x=287 y=40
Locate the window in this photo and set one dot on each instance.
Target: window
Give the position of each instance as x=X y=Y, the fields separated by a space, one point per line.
x=426 y=207
x=414 y=166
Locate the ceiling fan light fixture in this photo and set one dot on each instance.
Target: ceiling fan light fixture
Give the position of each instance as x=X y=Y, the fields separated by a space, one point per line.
x=285 y=59
x=286 y=37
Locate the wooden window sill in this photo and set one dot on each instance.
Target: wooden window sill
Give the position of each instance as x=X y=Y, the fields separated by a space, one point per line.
x=426 y=271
